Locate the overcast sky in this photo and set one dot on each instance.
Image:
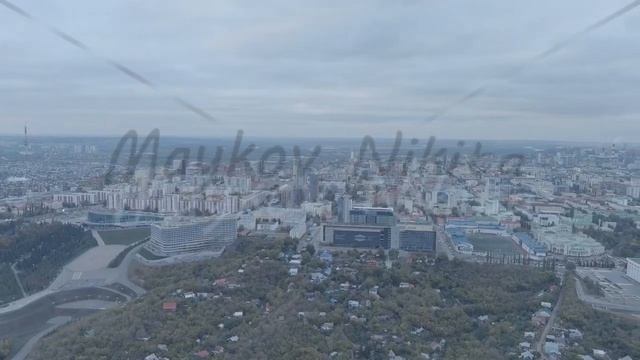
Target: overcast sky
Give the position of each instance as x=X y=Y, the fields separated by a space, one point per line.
x=328 y=68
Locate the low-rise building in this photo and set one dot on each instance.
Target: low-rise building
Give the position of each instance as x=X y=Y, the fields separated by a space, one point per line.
x=530 y=245
x=562 y=241
x=633 y=268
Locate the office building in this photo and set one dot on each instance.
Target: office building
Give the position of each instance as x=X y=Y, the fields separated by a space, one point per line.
x=417 y=238
x=344 y=208
x=176 y=236
x=372 y=216
x=312 y=187
x=273 y=219
x=357 y=236
x=633 y=268
x=115 y=218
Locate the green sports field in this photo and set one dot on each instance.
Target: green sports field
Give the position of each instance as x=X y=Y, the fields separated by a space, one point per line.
x=494 y=244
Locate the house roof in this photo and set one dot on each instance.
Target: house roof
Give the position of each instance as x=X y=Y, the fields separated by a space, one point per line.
x=551 y=348
x=169 y=306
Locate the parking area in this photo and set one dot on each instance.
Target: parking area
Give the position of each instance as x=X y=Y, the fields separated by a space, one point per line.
x=617 y=287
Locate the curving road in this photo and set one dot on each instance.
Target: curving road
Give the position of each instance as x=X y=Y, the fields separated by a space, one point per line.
x=87 y=277
x=53 y=323
x=31 y=320
x=86 y=271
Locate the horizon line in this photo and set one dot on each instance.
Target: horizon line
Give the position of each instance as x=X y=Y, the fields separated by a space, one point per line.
x=358 y=138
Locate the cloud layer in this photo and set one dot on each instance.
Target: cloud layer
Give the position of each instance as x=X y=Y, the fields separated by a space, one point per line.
x=325 y=68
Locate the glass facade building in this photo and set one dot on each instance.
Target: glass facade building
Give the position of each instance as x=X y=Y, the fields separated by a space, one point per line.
x=417 y=240
x=371 y=237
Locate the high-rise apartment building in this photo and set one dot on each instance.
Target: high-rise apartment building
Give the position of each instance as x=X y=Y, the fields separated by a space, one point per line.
x=176 y=236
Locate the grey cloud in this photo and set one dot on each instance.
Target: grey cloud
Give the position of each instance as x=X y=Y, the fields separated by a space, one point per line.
x=280 y=68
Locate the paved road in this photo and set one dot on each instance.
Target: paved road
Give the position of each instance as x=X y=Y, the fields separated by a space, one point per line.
x=23 y=324
x=443 y=244
x=25 y=320
x=15 y=274
x=314 y=238
x=87 y=270
x=53 y=323
x=96 y=235
x=547 y=328
x=123 y=271
x=88 y=304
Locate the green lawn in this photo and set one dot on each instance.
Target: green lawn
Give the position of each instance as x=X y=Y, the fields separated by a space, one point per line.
x=493 y=243
x=9 y=289
x=39 y=252
x=124 y=236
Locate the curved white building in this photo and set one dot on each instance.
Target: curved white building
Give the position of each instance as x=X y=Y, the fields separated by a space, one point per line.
x=177 y=236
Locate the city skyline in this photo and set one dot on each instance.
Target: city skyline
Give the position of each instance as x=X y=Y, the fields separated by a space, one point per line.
x=320 y=180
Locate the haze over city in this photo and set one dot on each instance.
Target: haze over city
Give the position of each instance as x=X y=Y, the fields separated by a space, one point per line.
x=320 y=180
x=325 y=69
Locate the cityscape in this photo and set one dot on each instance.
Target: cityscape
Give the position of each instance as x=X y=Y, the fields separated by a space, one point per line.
x=566 y=210
x=319 y=181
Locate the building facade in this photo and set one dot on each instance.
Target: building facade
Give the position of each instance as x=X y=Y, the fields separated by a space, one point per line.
x=358 y=236
x=633 y=268
x=179 y=236
x=417 y=238
x=372 y=216
x=114 y=218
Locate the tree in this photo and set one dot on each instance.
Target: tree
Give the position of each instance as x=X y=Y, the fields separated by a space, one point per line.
x=40 y=250
x=311 y=249
x=304 y=353
x=5 y=349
